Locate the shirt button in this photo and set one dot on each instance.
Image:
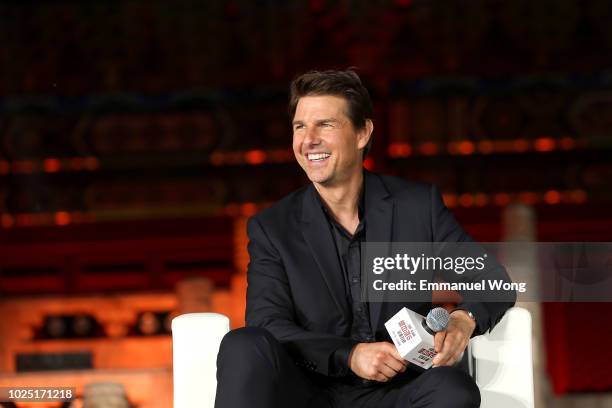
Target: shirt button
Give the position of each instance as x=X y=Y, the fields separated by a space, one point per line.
x=355 y=280
x=360 y=309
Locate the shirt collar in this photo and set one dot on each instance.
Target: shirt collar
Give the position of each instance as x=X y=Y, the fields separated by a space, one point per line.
x=360 y=204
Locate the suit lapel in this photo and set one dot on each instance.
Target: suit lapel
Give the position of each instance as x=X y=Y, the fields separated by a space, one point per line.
x=379 y=227
x=317 y=235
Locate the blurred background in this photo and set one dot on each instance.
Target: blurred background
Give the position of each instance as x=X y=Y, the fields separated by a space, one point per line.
x=136 y=138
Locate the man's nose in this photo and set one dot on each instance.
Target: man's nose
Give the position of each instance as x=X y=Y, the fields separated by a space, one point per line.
x=312 y=137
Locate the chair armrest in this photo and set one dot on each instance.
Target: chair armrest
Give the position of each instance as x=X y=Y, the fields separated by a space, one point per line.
x=502 y=362
x=195 y=343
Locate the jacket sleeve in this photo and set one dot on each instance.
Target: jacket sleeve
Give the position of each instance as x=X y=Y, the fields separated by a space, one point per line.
x=270 y=306
x=446 y=229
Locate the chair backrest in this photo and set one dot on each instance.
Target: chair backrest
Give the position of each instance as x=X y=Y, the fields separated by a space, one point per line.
x=195 y=343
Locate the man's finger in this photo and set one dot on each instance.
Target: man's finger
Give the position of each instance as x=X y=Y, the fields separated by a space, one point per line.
x=393 y=353
x=448 y=348
x=441 y=352
x=438 y=359
x=455 y=357
x=439 y=340
x=387 y=371
x=460 y=349
x=391 y=349
x=394 y=364
x=382 y=377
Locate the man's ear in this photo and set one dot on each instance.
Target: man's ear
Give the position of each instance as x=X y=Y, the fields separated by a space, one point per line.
x=365 y=134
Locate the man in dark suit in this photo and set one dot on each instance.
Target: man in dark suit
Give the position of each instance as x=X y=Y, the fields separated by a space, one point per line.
x=310 y=340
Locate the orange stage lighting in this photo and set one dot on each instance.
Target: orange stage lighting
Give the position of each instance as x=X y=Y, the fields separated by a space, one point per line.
x=450 y=200
x=255 y=156
x=520 y=145
x=465 y=147
x=369 y=163
x=544 y=144
x=466 y=200
x=399 y=150
x=7 y=221
x=481 y=199
x=62 y=218
x=552 y=197
x=52 y=165
x=248 y=209
x=485 y=147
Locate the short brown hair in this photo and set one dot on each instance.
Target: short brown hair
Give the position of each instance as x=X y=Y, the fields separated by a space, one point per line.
x=345 y=84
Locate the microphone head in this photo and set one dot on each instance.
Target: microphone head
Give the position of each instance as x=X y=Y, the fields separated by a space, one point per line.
x=437 y=319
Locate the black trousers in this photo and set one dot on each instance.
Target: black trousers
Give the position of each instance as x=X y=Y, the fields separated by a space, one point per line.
x=254 y=370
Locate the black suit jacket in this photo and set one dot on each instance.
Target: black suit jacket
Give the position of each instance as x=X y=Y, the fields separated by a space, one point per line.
x=295 y=282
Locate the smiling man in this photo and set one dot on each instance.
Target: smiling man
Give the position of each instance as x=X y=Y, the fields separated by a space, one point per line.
x=310 y=340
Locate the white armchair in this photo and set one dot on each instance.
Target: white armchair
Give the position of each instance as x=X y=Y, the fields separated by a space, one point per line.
x=500 y=361
x=195 y=343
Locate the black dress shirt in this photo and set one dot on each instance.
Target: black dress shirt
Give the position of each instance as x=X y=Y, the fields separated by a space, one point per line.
x=348 y=250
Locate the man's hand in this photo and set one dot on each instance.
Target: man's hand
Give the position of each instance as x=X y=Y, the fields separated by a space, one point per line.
x=450 y=343
x=376 y=361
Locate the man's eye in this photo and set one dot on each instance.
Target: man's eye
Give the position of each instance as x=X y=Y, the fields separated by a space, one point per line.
x=298 y=127
x=326 y=125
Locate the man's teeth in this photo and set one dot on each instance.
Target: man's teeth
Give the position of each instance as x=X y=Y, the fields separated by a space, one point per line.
x=318 y=156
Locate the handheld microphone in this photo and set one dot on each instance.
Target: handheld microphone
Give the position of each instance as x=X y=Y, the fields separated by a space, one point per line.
x=413 y=334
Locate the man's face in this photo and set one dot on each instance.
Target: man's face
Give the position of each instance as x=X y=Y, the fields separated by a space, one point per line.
x=325 y=143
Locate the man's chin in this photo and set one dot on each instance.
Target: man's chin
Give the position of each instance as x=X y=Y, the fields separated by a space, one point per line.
x=322 y=179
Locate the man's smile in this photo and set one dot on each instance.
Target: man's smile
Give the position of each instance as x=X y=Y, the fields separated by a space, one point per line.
x=318 y=157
